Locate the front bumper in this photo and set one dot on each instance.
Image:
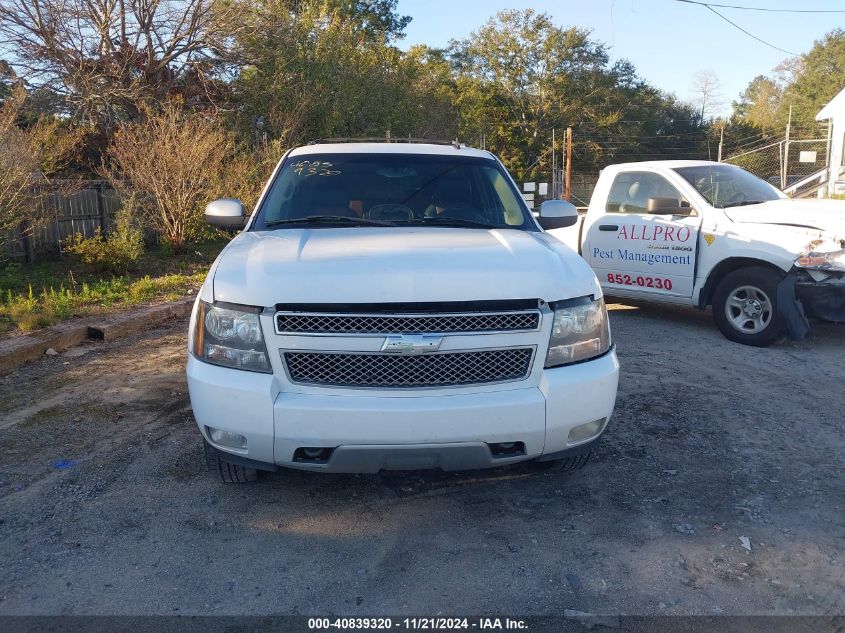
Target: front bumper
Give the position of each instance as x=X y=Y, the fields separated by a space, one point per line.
x=369 y=432
x=822 y=299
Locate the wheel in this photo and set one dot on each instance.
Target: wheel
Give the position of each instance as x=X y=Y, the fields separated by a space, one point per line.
x=228 y=472
x=745 y=306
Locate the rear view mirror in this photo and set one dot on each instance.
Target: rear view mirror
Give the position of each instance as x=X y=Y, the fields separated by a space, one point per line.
x=557 y=214
x=226 y=213
x=666 y=206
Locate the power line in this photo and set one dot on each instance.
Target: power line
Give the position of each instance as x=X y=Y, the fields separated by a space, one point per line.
x=735 y=25
x=766 y=9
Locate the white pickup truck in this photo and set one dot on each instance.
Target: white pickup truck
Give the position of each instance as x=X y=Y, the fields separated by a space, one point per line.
x=396 y=306
x=701 y=233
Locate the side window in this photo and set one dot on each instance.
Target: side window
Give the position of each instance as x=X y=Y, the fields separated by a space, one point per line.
x=630 y=192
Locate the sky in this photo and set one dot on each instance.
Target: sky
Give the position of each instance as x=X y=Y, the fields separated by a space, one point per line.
x=668 y=41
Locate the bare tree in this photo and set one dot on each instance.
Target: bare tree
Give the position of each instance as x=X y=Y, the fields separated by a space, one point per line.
x=707 y=94
x=108 y=57
x=28 y=156
x=171 y=162
x=19 y=163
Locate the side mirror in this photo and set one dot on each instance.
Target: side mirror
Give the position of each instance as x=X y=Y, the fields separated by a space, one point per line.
x=557 y=214
x=226 y=213
x=666 y=206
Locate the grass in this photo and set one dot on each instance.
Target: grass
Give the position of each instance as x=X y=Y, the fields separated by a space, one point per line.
x=43 y=293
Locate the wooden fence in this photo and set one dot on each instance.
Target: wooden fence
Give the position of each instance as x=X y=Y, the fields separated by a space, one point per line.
x=89 y=205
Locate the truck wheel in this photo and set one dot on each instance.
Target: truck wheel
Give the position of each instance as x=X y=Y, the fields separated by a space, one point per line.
x=227 y=472
x=745 y=306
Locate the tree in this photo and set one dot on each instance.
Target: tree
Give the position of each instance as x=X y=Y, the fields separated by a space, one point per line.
x=759 y=103
x=112 y=58
x=20 y=158
x=818 y=76
x=29 y=155
x=325 y=68
x=520 y=76
x=170 y=163
x=7 y=80
x=707 y=95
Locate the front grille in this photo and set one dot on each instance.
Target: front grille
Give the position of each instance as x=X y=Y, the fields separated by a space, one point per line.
x=318 y=323
x=393 y=370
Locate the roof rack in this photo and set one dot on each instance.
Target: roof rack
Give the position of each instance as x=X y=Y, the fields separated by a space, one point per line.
x=388 y=139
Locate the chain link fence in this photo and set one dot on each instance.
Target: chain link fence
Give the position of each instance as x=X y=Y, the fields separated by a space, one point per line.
x=784 y=163
x=764 y=162
x=580 y=191
x=804 y=158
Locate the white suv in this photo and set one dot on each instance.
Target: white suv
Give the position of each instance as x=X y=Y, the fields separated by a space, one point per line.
x=396 y=306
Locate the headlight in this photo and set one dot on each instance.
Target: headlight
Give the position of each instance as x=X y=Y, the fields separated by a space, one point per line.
x=580 y=331
x=832 y=260
x=231 y=337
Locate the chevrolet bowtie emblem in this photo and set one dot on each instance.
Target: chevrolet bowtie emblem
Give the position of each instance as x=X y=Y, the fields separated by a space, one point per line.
x=411 y=344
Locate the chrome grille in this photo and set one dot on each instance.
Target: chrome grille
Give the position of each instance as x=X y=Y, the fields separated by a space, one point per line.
x=393 y=370
x=321 y=323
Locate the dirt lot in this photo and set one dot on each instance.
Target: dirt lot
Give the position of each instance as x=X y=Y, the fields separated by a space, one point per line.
x=106 y=508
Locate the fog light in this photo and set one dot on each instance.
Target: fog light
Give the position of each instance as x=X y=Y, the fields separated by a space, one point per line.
x=587 y=431
x=226 y=438
x=313 y=454
x=507 y=449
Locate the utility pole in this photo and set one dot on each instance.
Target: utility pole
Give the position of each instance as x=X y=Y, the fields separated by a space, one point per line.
x=721 y=142
x=785 y=165
x=568 y=163
x=830 y=177
x=554 y=166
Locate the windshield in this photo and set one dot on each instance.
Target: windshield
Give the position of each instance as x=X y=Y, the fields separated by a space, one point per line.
x=726 y=186
x=392 y=190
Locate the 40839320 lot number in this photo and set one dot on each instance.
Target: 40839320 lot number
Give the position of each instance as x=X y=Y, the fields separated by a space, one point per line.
x=661 y=283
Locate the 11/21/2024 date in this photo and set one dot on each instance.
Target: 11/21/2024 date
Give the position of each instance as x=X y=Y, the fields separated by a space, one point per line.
x=660 y=283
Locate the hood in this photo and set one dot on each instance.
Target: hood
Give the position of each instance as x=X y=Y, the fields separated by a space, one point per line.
x=389 y=265
x=827 y=217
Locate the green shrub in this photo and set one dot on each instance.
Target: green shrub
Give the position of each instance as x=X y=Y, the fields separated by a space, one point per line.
x=58 y=302
x=27 y=314
x=116 y=253
x=142 y=290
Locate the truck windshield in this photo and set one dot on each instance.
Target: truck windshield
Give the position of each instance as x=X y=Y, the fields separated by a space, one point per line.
x=726 y=186
x=330 y=190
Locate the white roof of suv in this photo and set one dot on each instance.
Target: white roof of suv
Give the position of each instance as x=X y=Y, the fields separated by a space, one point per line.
x=389 y=148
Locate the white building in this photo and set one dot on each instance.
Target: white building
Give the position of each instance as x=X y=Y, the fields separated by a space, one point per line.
x=835 y=113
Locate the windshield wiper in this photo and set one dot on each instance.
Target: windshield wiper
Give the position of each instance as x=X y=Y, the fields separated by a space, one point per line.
x=744 y=203
x=330 y=219
x=449 y=222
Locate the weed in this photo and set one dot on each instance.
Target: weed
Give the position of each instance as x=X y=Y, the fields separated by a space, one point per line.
x=26 y=313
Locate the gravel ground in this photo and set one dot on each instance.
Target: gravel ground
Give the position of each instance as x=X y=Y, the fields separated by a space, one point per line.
x=106 y=508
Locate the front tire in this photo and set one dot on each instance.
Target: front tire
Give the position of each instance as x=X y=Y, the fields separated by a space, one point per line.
x=227 y=472
x=745 y=306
